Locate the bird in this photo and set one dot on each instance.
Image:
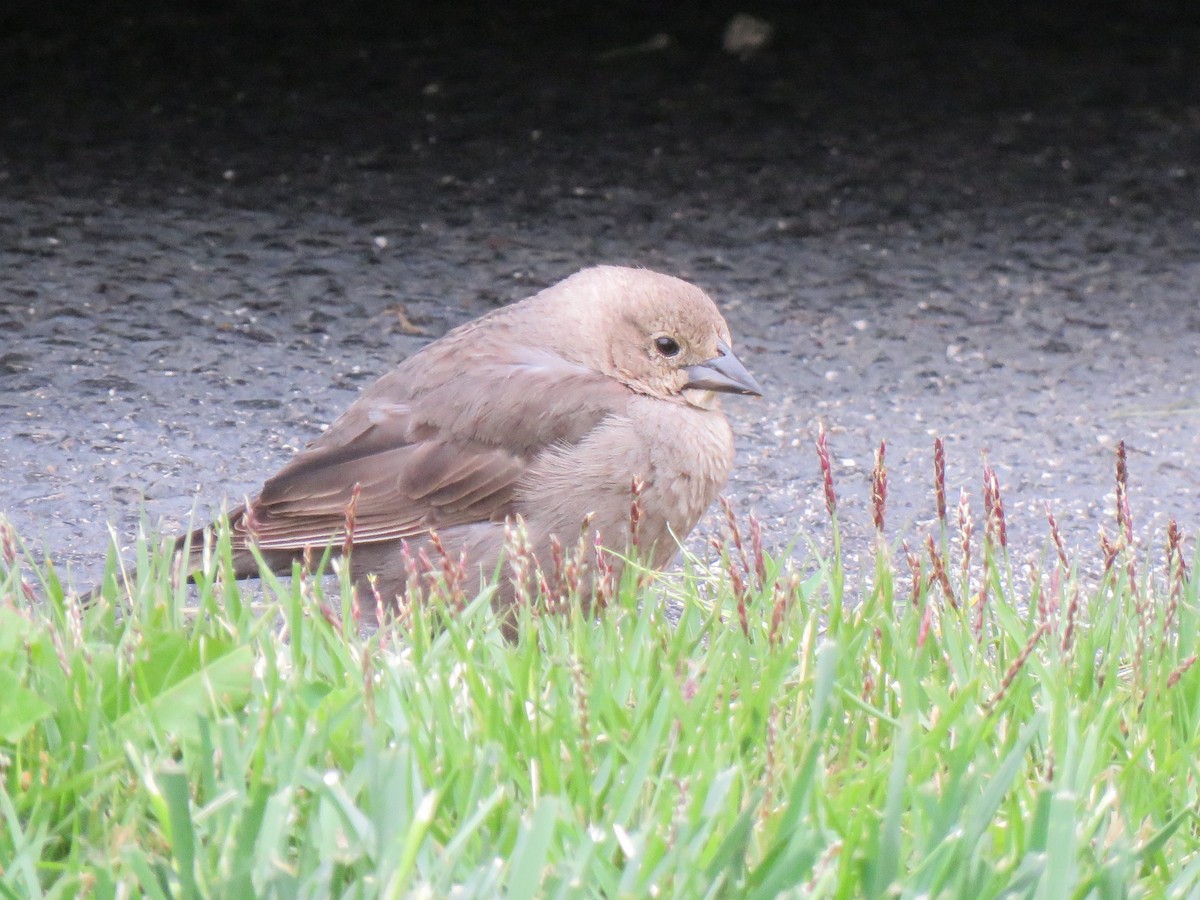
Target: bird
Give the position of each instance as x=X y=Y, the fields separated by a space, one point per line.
x=543 y=413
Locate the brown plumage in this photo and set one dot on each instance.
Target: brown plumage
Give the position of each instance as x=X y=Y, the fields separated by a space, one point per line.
x=545 y=409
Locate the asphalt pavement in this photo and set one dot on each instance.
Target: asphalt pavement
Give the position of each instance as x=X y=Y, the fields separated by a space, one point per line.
x=218 y=224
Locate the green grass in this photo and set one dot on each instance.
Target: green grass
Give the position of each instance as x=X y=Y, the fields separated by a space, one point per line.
x=1031 y=742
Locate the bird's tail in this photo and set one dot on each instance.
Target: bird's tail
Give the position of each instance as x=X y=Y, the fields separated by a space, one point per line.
x=195 y=545
x=203 y=539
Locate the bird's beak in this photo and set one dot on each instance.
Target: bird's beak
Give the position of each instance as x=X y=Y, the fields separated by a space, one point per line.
x=724 y=372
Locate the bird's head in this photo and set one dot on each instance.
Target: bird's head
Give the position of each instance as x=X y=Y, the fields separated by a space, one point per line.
x=659 y=335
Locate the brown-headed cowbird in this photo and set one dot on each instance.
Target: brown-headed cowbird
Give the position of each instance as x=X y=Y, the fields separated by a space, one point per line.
x=544 y=410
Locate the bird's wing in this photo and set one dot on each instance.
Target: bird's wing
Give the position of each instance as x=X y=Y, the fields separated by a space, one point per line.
x=451 y=451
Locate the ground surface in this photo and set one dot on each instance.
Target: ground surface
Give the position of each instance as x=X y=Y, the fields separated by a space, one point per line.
x=215 y=228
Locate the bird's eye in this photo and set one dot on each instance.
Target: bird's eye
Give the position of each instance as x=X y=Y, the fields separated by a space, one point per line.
x=667 y=346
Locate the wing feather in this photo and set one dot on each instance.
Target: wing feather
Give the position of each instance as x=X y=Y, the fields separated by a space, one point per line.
x=422 y=461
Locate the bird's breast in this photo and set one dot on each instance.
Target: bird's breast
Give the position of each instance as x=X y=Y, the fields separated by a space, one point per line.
x=682 y=455
x=690 y=454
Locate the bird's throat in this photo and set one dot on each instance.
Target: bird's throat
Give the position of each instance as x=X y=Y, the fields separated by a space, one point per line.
x=700 y=399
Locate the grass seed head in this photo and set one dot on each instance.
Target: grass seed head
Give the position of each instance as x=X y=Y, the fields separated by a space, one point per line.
x=414 y=588
x=8 y=544
x=1056 y=535
x=521 y=563
x=606 y=571
x=914 y=568
x=995 y=527
x=1124 y=518
x=637 y=485
x=558 y=564
x=879 y=486
x=735 y=533
x=453 y=570
x=782 y=599
x=939 y=478
x=939 y=572
x=1109 y=550
x=1015 y=668
x=981 y=602
x=1177 y=574
x=757 y=554
x=249 y=522
x=1180 y=671
x=380 y=608
x=826 y=471
x=778 y=610
x=966 y=527
x=350 y=515
x=1175 y=547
